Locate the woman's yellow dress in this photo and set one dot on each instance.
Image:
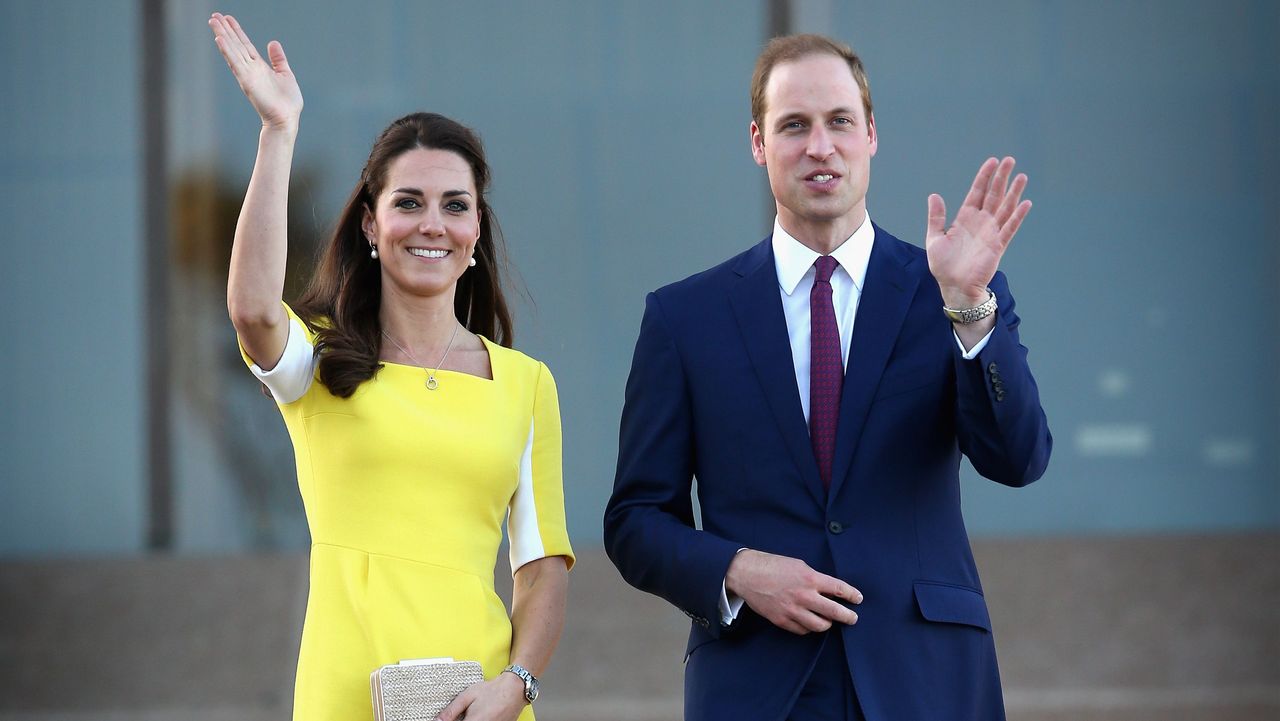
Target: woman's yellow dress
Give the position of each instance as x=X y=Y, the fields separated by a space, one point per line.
x=406 y=490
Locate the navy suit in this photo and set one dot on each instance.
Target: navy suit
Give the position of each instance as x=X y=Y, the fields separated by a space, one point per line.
x=712 y=394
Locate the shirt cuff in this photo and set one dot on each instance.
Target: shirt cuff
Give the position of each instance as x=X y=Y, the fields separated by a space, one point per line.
x=977 y=347
x=729 y=607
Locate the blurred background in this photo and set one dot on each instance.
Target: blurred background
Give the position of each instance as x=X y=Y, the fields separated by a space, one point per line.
x=152 y=541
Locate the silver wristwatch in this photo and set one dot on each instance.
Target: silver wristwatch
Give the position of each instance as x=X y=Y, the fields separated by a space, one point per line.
x=965 y=316
x=530 y=681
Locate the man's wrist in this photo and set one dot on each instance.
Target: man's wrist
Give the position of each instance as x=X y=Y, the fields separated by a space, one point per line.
x=968 y=312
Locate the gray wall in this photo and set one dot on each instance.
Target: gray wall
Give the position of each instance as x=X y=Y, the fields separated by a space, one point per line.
x=619 y=137
x=71 y=423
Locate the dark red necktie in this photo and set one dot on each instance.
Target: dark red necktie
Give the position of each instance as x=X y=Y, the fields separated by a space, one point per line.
x=826 y=372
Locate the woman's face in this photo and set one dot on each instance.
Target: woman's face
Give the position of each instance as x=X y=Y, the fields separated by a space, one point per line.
x=426 y=222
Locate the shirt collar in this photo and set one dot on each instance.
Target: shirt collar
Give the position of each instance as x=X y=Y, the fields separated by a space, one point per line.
x=793 y=259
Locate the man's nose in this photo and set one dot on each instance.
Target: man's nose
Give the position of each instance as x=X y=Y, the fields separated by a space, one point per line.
x=820 y=146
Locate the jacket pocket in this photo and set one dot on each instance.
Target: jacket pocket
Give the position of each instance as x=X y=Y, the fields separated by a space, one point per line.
x=946 y=603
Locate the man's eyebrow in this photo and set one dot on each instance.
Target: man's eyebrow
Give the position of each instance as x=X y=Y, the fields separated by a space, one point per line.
x=799 y=115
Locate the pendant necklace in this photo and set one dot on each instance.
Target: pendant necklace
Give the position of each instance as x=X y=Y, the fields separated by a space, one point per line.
x=431 y=374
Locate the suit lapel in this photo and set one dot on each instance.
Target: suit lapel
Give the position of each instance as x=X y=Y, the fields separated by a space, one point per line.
x=758 y=307
x=886 y=296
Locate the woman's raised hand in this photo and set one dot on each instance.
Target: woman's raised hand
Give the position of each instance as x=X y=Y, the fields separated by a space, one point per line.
x=270 y=87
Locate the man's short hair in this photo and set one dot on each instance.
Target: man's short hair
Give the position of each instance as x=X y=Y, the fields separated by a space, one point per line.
x=788 y=48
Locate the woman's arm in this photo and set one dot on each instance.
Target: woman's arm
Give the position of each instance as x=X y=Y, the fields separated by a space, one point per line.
x=537 y=612
x=255 y=283
x=537 y=618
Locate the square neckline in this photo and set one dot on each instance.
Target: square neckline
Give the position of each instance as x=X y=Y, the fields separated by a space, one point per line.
x=488 y=348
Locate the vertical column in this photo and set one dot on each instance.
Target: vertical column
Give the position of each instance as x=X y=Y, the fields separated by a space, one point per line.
x=155 y=192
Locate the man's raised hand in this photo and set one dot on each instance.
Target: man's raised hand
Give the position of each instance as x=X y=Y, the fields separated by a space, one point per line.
x=964 y=257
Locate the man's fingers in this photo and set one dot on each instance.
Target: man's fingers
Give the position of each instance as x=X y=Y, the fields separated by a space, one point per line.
x=811 y=622
x=937 y=215
x=834 y=587
x=980 y=183
x=836 y=610
x=999 y=182
x=1011 y=228
x=1011 y=198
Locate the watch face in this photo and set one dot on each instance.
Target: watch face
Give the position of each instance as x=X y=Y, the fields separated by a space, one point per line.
x=531 y=691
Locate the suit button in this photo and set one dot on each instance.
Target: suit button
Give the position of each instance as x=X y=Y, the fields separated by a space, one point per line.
x=835 y=527
x=999 y=395
x=993 y=369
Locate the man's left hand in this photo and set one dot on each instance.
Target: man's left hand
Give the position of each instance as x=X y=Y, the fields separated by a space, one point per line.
x=964 y=257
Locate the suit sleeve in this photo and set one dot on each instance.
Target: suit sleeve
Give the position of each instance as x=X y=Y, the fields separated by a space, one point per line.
x=999 y=421
x=649 y=530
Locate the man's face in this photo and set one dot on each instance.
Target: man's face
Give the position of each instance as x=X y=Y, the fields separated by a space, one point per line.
x=816 y=145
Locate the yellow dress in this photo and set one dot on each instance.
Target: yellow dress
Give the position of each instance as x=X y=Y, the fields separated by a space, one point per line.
x=406 y=490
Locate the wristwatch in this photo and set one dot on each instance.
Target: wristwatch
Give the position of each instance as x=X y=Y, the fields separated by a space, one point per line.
x=965 y=316
x=530 y=681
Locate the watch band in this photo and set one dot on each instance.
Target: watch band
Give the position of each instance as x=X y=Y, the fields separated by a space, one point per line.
x=530 y=681
x=965 y=316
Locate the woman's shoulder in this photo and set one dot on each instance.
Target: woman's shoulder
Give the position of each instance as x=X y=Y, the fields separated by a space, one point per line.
x=516 y=363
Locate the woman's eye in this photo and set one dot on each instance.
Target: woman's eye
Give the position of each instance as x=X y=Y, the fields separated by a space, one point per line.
x=407 y=204
x=456 y=206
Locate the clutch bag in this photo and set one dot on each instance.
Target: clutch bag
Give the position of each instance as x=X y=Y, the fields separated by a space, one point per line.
x=419 y=689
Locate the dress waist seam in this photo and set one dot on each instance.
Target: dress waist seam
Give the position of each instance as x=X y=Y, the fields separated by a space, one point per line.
x=394 y=557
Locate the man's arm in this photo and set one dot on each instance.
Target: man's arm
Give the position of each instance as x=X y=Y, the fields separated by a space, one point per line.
x=999 y=421
x=649 y=530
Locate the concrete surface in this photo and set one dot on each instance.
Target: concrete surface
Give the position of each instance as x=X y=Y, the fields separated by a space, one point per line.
x=1179 y=628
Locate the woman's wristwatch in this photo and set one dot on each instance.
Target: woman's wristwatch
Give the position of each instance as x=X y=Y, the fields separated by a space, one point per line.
x=530 y=681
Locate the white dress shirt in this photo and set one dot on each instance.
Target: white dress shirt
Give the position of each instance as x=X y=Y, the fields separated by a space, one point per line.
x=794 y=263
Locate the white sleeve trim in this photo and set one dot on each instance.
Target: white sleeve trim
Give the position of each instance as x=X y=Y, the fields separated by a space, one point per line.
x=293 y=374
x=522 y=519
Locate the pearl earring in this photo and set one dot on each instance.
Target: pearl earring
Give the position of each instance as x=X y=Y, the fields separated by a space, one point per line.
x=373 y=251
x=472 y=262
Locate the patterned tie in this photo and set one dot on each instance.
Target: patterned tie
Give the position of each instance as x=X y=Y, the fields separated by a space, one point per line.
x=826 y=372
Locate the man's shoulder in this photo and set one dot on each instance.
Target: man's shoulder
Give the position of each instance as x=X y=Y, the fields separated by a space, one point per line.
x=718 y=276
x=892 y=244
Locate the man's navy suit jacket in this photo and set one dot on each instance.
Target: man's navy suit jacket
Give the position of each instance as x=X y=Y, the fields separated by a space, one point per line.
x=712 y=395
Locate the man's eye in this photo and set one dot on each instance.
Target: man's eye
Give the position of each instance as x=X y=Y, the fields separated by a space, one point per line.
x=842 y=121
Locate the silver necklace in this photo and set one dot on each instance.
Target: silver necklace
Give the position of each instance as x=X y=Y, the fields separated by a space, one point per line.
x=431 y=374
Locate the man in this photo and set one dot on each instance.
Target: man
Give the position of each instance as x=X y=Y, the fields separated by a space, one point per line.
x=821 y=387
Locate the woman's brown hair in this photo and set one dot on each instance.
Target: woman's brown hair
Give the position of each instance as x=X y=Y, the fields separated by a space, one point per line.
x=342 y=301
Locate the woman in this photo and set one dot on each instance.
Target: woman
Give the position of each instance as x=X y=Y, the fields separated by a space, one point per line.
x=414 y=434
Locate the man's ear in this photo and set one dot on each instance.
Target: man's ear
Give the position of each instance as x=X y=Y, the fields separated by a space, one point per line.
x=872 y=139
x=757 y=144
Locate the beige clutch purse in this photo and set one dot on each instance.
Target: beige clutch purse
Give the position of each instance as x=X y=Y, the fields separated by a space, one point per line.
x=419 y=689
